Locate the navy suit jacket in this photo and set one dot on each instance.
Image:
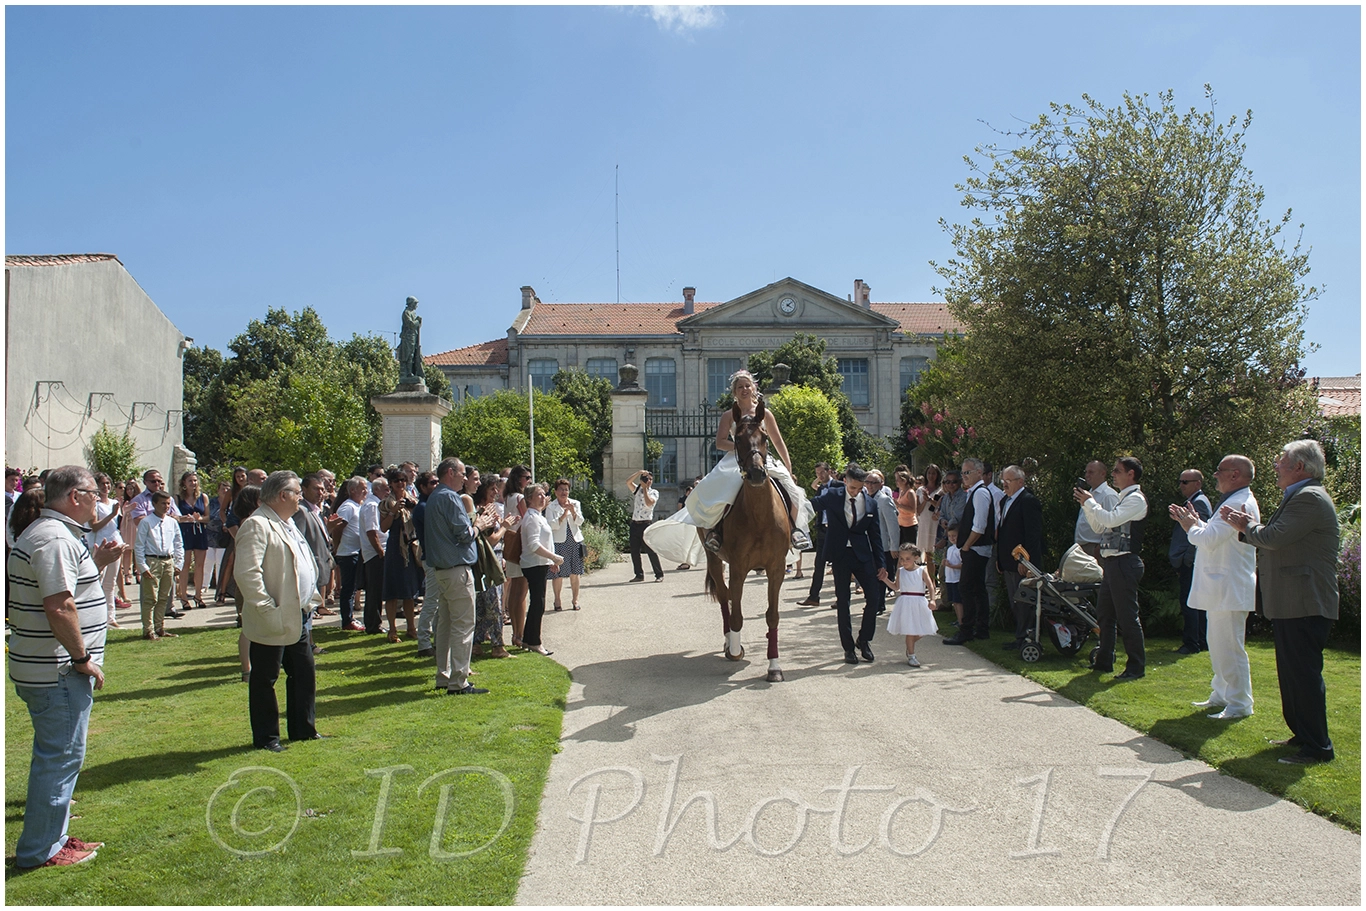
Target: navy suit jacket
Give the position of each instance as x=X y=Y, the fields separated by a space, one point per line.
x=1023 y=524
x=865 y=536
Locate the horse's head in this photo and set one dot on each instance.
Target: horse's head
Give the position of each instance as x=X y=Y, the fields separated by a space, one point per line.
x=751 y=444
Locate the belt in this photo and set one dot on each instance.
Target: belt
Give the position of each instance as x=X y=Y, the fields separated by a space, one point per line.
x=158 y=556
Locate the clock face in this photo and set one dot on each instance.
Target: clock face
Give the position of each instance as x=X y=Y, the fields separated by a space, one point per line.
x=788 y=306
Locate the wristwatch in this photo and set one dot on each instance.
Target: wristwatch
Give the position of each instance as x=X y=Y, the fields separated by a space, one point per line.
x=84 y=659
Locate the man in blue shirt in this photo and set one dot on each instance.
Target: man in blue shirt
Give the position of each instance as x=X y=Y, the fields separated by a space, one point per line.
x=450 y=555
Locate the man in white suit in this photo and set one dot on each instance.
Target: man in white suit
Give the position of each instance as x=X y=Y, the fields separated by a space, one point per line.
x=1224 y=586
x=278 y=577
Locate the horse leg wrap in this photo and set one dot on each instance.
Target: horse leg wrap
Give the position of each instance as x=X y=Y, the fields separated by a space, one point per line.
x=732 y=642
x=773 y=648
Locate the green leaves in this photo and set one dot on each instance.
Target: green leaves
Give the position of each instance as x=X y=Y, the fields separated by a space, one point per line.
x=494 y=432
x=810 y=425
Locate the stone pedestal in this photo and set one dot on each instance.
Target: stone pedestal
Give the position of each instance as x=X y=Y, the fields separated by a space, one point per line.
x=627 y=453
x=412 y=425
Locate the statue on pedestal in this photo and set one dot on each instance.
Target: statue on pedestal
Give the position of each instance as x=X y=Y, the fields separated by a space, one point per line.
x=410 y=348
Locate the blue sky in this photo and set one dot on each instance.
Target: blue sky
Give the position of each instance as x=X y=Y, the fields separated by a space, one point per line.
x=237 y=158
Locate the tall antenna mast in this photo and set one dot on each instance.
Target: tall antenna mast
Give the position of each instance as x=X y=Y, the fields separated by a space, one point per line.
x=616 y=211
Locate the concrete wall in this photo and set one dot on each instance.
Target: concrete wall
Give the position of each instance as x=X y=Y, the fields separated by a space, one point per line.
x=90 y=326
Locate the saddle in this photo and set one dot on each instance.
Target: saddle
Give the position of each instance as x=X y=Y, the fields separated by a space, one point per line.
x=782 y=495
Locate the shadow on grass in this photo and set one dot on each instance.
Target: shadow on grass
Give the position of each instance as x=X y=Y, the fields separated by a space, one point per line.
x=153 y=767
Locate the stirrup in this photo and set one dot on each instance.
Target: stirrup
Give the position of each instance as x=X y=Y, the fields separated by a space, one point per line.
x=800 y=540
x=712 y=542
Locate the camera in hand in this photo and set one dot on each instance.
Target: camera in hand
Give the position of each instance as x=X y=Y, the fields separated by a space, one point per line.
x=1080 y=484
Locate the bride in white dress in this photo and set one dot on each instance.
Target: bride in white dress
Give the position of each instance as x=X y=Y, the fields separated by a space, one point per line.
x=676 y=538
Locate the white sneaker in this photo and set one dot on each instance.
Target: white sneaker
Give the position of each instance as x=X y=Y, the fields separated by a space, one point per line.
x=1208 y=704
x=913 y=661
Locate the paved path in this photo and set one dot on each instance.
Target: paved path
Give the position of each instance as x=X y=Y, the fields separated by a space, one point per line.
x=686 y=779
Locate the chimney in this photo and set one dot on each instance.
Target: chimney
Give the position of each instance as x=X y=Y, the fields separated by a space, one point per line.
x=528 y=297
x=868 y=296
x=861 y=293
x=688 y=294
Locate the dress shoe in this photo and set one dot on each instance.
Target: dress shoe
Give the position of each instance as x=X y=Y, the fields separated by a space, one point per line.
x=274 y=746
x=1288 y=742
x=314 y=736
x=428 y=652
x=468 y=689
x=659 y=578
x=1305 y=759
x=1229 y=715
x=319 y=650
x=960 y=639
x=850 y=658
x=165 y=635
x=1127 y=675
x=810 y=602
x=354 y=627
x=1208 y=704
x=638 y=579
x=173 y=615
x=1186 y=650
x=866 y=652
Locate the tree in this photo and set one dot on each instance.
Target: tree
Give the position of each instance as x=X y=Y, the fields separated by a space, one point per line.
x=367 y=365
x=590 y=397
x=437 y=384
x=493 y=432
x=805 y=354
x=114 y=454
x=202 y=401
x=303 y=419
x=1122 y=294
x=810 y=426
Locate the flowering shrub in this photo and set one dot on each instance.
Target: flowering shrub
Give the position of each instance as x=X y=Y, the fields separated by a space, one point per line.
x=945 y=439
x=1349 y=585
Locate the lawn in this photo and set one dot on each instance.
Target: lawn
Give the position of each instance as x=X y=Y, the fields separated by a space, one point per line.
x=1160 y=706
x=191 y=816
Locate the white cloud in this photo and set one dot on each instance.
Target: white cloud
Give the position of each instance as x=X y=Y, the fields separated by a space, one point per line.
x=684 y=19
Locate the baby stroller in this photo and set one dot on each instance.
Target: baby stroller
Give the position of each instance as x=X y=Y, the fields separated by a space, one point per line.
x=1064 y=610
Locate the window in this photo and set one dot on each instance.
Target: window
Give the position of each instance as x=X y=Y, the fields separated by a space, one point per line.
x=665 y=469
x=855 y=373
x=473 y=391
x=911 y=368
x=542 y=370
x=660 y=383
x=719 y=370
x=603 y=367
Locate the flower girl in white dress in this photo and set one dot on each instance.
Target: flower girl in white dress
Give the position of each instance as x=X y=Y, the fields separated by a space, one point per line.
x=911 y=616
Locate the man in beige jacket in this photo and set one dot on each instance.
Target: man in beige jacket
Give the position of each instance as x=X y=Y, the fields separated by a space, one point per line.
x=278 y=577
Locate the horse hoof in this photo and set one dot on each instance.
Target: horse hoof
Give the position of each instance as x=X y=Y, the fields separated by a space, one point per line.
x=736 y=657
x=774 y=676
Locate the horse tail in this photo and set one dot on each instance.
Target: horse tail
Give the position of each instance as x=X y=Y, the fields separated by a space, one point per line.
x=710 y=587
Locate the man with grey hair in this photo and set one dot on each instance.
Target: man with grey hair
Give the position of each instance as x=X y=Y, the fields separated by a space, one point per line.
x=450 y=555
x=1094 y=479
x=1297 y=557
x=875 y=484
x=976 y=534
x=1020 y=525
x=1223 y=586
x=56 y=653
x=278 y=577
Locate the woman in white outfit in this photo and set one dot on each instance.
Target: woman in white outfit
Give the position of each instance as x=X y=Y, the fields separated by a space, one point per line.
x=105 y=528
x=675 y=538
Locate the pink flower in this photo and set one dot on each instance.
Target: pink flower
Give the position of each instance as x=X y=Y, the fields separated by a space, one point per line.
x=938 y=418
x=955 y=453
x=972 y=433
x=939 y=433
x=925 y=408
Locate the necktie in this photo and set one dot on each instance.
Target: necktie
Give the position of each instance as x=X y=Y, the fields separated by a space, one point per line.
x=853 y=513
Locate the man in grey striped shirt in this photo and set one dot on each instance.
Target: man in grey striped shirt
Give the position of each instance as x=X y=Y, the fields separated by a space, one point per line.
x=58 y=614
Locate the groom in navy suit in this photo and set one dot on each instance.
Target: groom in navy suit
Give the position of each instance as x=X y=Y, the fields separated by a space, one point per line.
x=853 y=545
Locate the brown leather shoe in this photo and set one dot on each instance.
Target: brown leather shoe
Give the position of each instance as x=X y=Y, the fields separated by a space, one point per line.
x=809 y=602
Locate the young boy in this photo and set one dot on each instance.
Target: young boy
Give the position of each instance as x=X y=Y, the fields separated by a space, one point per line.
x=158 y=558
x=953 y=568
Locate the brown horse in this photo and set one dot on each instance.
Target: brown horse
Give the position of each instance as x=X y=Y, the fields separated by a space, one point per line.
x=755 y=535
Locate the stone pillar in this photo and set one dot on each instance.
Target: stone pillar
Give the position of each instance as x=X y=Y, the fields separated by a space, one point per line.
x=412 y=425
x=628 y=431
x=182 y=460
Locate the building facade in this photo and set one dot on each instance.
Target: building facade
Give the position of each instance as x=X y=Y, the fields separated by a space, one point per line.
x=85 y=346
x=687 y=350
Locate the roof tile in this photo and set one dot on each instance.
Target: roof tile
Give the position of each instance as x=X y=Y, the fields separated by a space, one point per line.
x=60 y=259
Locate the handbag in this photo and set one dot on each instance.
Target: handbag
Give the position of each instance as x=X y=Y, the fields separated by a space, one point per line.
x=512 y=549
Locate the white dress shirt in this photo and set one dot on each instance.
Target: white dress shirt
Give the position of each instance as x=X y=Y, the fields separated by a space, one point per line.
x=158 y=538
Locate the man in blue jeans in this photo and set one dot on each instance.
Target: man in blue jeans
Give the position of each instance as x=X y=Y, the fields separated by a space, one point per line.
x=58 y=613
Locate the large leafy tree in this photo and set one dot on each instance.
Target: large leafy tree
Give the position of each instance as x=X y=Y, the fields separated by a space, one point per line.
x=590 y=397
x=493 y=432
x=303 y=419
x=1122 y=292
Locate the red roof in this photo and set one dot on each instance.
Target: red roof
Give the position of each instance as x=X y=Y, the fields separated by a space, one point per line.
x=61 y=259
x=921 y=319
x=607 y=319
x=485 y=354
x=1339 y=395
